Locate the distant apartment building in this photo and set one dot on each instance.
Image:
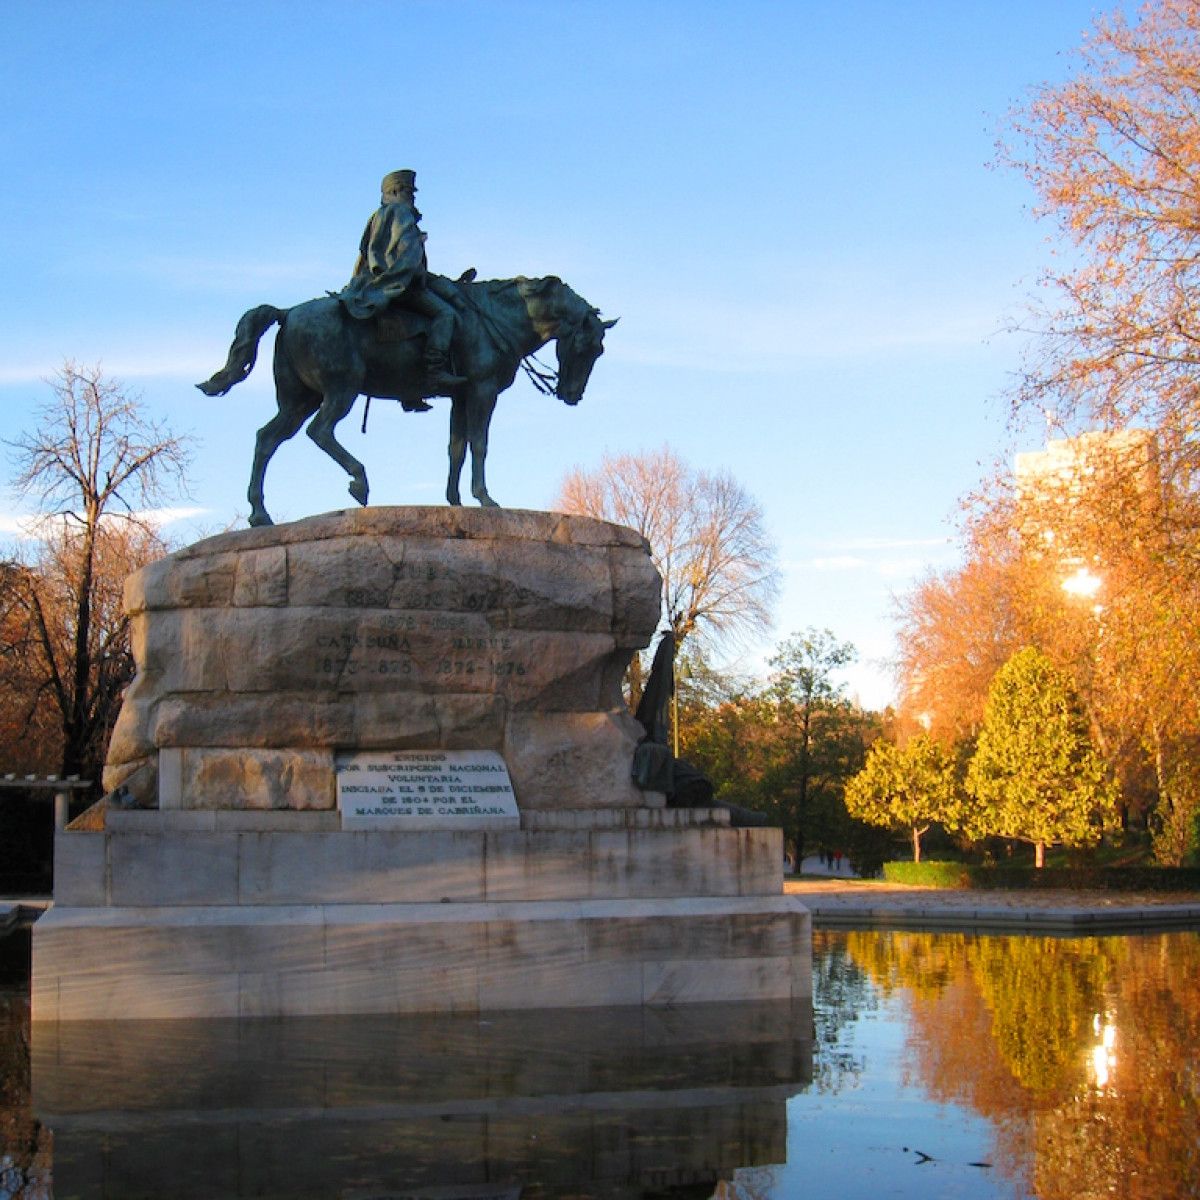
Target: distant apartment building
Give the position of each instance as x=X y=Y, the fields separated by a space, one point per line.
x=1049 y=479
x=1066 y=463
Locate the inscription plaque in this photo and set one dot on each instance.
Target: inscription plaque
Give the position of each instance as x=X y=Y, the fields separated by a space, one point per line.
x=425 y=789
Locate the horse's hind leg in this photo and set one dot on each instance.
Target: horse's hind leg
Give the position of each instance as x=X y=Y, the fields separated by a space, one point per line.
x=294 y=410
x=334 y=407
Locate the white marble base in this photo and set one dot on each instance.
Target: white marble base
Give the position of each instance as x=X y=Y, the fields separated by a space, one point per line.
x=239 y=914
x=340 y=959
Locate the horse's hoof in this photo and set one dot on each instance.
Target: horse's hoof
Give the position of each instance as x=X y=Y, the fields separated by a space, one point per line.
x=485 y=501
x=358 y=489
x=258 y=519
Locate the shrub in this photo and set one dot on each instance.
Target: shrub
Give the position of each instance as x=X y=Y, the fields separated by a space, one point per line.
x=929 y=874
x=1113 y=879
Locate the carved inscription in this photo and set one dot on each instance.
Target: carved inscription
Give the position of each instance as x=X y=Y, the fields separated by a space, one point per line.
x=418 y=640
x=419 y=789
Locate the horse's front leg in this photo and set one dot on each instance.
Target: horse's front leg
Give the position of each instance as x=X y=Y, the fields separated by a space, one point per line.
x=334 y=407
x=479 y=423
x=458 y=448
x=283 y=425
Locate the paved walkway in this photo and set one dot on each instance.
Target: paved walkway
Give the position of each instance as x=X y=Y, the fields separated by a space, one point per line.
x=858 y=903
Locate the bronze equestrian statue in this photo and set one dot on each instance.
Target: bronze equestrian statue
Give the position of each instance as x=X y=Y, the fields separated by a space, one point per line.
x=385 y=335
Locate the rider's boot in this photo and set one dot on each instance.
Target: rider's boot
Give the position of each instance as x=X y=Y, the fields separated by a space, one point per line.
x=437 y=373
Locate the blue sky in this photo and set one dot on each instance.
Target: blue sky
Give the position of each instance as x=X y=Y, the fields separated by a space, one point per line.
x=788 y=206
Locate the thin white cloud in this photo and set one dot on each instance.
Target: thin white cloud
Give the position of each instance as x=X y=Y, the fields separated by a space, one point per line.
x=900 y=568
x=883 y=543
x=842 y=562
x=26 y=527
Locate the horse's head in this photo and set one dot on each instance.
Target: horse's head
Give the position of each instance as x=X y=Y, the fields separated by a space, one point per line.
x=580 y=342
x=576 y=328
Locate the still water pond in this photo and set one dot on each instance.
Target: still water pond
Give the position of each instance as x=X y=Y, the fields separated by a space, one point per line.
x=934 y=1065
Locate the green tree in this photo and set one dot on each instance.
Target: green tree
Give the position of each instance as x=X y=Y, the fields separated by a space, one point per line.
x=786 y=748
x=906 y=787
x=822 y=742
x=1035 y=774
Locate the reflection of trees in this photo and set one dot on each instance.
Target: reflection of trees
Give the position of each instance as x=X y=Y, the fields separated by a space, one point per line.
x=922 y=963
x=1012 y=1027
x=1137 y=1133
x=1042 y=994
x=841 y=994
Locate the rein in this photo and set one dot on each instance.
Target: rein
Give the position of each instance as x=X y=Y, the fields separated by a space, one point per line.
x=544 y=378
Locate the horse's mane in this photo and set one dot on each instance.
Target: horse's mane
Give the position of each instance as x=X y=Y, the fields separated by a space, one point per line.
x=565 y=301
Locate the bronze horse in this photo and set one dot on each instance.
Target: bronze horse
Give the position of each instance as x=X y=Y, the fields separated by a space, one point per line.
x=325 y=360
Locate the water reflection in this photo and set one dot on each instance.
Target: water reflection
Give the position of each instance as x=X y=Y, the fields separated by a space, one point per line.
x=944 y=1065
x=1081 y=1053
x=614 y=1103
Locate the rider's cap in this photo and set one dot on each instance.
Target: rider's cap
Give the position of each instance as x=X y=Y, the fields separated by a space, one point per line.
x=395 y=180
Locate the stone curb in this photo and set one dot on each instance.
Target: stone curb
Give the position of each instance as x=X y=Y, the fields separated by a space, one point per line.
x=840 y=914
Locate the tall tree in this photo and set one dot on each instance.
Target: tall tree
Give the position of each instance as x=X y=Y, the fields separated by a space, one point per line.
x=786 y=747
x=1114 y=156
x=1036 y=775
x=707 y=538
x=96 y=464
x=906 y=787
x=824 y=740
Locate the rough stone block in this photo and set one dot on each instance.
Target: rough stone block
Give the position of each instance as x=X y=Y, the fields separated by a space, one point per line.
x=238 y=719
x=262 y=779
x=572 y=760
x=262 y=578
x=394 y=628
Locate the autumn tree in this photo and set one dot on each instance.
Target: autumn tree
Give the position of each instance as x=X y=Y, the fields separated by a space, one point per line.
x=1113 y=154
x=906 y=787
x=706 y=535
x=1035 y=774
x=96 y=464
x=955 y=630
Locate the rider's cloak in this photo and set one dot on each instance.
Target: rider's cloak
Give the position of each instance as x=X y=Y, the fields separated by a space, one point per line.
x=391 y=258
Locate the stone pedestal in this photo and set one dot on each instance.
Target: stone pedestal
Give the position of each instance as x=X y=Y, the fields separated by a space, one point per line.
x=267 y=657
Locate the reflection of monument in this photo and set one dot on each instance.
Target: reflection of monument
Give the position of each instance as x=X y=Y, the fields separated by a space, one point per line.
x=378 y=761
x=620 y=1103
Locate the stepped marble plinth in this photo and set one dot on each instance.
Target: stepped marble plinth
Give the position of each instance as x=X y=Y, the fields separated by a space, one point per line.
x=444 y=655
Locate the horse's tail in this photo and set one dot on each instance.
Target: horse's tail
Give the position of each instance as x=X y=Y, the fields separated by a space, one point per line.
x=244 y=351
